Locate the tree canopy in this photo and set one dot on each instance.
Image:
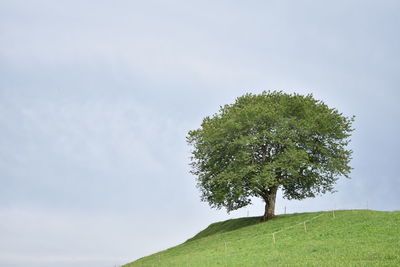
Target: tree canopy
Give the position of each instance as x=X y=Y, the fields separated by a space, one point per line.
x=267 y=141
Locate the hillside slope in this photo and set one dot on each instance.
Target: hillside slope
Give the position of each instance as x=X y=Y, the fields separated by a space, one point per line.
x=342 y=238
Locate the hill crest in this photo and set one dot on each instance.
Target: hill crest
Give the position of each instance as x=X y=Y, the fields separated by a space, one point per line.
x=342 y=237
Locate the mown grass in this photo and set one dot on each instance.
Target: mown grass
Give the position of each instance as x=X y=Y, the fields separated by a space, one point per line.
x=350 y=238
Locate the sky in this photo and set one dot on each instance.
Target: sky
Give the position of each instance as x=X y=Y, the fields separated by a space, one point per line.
x=97 y=97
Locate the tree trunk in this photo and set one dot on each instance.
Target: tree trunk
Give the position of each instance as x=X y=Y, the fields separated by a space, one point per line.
x=270 y=204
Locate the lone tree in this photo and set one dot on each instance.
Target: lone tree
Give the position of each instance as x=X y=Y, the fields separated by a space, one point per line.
x=268 y=141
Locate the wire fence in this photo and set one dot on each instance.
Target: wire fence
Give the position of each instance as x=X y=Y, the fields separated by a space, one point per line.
x=224 y=251
x=228 y=249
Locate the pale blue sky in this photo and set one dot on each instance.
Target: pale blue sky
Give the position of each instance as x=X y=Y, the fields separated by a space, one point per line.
x=96 y=98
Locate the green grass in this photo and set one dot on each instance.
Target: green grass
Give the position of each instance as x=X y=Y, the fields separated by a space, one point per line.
x=351 y=238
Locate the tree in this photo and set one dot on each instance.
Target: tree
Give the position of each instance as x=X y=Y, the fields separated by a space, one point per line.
x=269 y=141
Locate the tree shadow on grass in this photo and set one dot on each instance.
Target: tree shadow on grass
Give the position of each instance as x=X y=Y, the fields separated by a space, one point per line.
x=226 y=226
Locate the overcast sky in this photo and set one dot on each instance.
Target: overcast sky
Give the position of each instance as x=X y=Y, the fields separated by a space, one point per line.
x=96 y=98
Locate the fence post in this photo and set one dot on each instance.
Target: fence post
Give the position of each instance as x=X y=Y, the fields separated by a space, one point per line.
x=273 y=237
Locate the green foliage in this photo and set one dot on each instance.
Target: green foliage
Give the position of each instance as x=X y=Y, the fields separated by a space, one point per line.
x=269 y=140
x=352 y=238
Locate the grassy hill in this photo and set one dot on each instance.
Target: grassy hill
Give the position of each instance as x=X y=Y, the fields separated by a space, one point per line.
x=342 y=238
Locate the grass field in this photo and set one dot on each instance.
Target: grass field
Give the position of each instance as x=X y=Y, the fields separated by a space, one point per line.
x=342 y=238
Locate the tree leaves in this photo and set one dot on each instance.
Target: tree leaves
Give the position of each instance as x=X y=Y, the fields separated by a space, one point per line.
x=267 y=140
